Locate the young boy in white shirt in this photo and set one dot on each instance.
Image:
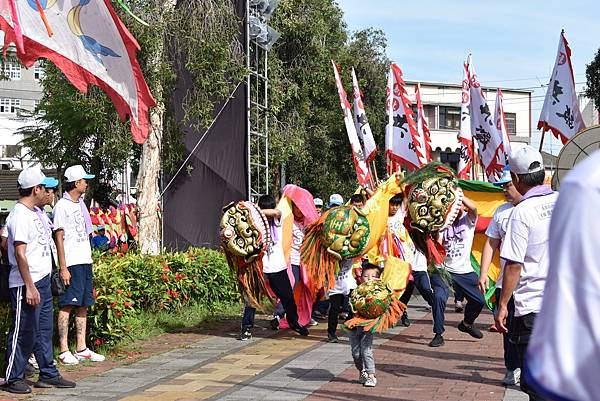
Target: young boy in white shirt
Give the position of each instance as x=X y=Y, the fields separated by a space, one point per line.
x=72 y=226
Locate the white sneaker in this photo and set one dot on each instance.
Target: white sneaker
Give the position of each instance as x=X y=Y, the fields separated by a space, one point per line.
x=313 y=322
x=33 y=362
x=362 y=377
x=66 y=358
x=512 y=377
x=89 y=355
x=371 y=381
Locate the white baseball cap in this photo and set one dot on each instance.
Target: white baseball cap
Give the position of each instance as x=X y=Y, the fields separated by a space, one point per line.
x=33 y=176
x=336 y=199
x=75 y=173
x=318 y=202
x=521 y=159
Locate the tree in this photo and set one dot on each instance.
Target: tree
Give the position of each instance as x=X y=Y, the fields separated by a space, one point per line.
x=592 y=73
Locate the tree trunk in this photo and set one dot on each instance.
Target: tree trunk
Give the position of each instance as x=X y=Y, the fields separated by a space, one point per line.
x=149 y=223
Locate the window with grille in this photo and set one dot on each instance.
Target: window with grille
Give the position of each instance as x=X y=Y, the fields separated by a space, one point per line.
x=38 y=72
x=511 y=122
x=12 y=70
x=11 y=151
x=9 y=106
x=449 y=117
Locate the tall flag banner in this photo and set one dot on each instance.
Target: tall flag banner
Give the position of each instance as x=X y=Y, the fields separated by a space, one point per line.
x=465 y=139
x=560 y=113
x=501 y=127
x=365 y=135
x=424 y=138
x=88 y=42
x=401 y=130
x=362 y=170
x=484 y=130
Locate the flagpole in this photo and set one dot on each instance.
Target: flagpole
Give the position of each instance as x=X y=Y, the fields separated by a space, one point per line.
x=374 y=171
x=542 y=140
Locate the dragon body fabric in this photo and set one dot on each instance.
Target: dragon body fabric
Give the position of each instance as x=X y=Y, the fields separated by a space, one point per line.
x=245 y=236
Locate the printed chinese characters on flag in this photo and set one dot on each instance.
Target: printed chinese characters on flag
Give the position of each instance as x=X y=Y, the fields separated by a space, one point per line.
x=500 y=122
x=362 y=170
x=560 y=112
x=89 y=44
x=484 y=130
x=401 y=129
x=465 y=138
x=363 y=129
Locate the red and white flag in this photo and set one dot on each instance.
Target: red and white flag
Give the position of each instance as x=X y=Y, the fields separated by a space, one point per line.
x=362 y=171
x=501 y=127
x=401 y=130
x=88 y=42
x=560 y=113
x=484 y=130
x=423 y=142
x=465 y=139
x=365 y=135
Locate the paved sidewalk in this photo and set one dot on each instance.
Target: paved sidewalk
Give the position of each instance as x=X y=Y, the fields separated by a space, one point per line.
x=284 y=366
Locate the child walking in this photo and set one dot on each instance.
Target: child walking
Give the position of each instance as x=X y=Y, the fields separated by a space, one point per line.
x=361 y=341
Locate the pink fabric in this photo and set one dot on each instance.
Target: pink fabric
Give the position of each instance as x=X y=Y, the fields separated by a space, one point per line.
x=303 y=199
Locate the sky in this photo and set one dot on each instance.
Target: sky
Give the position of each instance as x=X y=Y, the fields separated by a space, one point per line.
x=513 y=43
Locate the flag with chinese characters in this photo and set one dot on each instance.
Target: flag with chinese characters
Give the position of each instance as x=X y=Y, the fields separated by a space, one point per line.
x=88 y=42
x=484 y=130
x=363 y=129
x=401 y=130
x=501 y=127
x=560 y=113
x=464 y=135
x=423 y=142
x=362 y=170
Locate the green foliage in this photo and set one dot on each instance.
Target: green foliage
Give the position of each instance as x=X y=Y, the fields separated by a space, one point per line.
x=592 y=73
x=128 y=284
x=307 y=131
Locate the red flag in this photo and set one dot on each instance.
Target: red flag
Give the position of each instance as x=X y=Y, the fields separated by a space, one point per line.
x=89 y=44
x=465 y=139
x=560 y=113
x=401 y=130
x=424 y=138
x=362 y=171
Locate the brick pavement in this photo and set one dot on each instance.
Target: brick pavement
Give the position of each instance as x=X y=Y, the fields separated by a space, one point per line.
x=285 y=367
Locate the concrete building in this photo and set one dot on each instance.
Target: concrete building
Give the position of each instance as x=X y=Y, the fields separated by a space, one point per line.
x=20 y=92
x=441 y=103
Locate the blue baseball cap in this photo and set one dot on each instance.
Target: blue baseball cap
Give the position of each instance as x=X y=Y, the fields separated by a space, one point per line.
x=50 y=182
x=505 y=178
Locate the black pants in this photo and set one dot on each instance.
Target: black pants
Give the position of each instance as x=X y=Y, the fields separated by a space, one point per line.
x=407 y=294
x=280 y=284
x=522 y=329
x=336 y=302
x=511 y=359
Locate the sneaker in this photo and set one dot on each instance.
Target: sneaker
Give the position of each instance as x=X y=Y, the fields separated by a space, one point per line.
x=313 y=322
x=33 y=362
x=343 y=316
x=274 y=323
x=29 y=371
x=458 y=307
x=16 y=387
x=512 y=377
x=66 y=358
x=438 y=341
x=245 y=335
x=303 y=331
x=58 y=382
x=370 y=382
x=89 y=355
x=404 y=319
x=332 y=338
x=363 y=377
x=471 y=330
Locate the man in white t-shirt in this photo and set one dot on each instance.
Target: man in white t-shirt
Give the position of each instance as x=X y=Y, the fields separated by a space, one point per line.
x=275 y=271
x=30 y=257
x=495 y=235
x=525 y=251
x=458 y=240
x=563 y=357
x=72 y=225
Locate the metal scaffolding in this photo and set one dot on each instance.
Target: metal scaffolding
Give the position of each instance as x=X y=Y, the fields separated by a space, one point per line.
x=258 y=117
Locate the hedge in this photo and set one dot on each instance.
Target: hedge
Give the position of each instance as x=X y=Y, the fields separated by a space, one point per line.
x=126 y=284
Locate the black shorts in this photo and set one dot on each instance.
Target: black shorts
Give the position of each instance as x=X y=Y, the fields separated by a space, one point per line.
x=80 y=291
x=522 y=329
